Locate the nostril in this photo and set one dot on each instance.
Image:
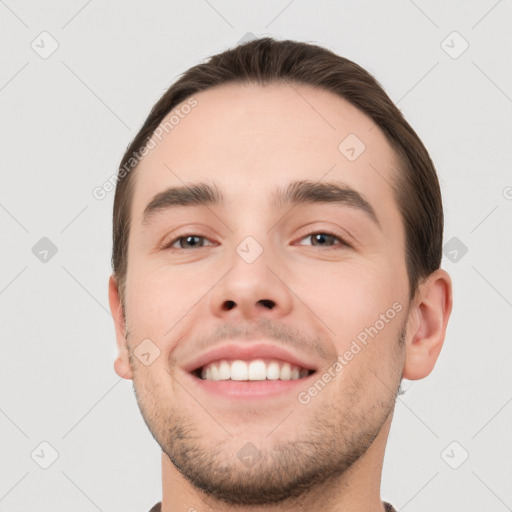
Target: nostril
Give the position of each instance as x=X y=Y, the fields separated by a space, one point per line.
x=229 y=304
x=267 y=303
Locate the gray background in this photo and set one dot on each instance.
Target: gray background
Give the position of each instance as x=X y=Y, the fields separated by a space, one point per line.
x=65 y=122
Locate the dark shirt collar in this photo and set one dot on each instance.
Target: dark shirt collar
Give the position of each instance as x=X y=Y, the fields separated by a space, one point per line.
x=387 y=506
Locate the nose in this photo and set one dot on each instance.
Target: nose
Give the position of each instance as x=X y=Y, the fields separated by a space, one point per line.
x=252 y=289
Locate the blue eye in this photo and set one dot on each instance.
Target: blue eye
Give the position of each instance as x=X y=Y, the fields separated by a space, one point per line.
x=188 y=241
x=324 y=239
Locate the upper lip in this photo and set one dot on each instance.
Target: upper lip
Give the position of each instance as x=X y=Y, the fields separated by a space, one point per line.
x=247 y=351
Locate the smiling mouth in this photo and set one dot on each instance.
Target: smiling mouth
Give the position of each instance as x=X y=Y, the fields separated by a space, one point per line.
x=251 y=370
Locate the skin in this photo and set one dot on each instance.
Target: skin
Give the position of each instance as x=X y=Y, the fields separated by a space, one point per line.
x=324 y=455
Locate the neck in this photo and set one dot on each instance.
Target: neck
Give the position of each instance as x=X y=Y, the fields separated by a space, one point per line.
x=357 y=489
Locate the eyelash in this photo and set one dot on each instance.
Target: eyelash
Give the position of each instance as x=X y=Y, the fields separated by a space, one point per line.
x=328 y=233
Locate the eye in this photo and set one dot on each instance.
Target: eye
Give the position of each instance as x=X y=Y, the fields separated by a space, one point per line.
x=319 y=239
x=188 y=242
x=325 y=239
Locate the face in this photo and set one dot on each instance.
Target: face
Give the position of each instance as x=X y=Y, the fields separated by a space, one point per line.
x=282 y=273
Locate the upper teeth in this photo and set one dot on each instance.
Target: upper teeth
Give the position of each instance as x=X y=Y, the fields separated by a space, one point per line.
x=258 y=369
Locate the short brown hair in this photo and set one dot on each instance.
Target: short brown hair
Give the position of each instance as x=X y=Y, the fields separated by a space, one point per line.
x=264 y=61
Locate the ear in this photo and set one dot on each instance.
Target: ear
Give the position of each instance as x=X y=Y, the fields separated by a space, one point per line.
x=122 y=362
x=428 y=320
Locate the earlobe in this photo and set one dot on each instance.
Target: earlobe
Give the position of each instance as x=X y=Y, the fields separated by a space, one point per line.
x=122 y=362
x=431 y=314
x=122 y=368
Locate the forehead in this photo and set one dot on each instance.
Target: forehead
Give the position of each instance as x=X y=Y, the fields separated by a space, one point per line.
x=249 y=138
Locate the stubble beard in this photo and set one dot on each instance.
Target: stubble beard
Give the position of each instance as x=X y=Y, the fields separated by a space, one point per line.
x=337 y=435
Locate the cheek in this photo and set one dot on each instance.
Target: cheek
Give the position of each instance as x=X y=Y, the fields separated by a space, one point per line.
x=347 y=296
x=360 y=308
x=164 y=301
x=156 y=299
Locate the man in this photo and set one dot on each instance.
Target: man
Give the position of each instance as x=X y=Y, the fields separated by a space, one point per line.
x=277 y=243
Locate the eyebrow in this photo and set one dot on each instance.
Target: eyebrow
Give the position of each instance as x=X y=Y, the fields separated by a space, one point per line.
x=295 y=193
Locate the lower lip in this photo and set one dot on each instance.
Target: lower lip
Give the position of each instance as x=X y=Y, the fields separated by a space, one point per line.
x=234 y=389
